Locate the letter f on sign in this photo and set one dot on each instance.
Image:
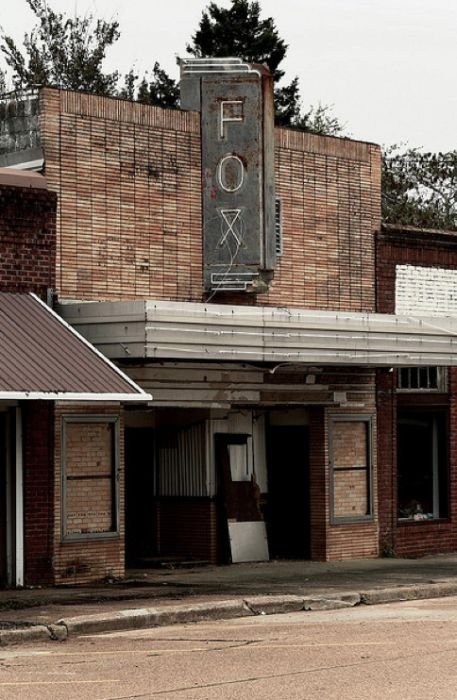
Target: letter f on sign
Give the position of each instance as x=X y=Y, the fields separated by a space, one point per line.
x=231 y=111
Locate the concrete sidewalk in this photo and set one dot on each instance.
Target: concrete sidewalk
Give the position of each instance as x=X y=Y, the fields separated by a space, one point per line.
x=167 y=595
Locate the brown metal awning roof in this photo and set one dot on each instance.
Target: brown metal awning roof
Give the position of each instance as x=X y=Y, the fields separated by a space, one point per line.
x=42 y=357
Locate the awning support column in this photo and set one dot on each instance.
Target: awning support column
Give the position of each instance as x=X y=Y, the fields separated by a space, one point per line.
x=19 y=567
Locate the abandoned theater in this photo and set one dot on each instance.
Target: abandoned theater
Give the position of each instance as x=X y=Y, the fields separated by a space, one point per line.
x=216 y=351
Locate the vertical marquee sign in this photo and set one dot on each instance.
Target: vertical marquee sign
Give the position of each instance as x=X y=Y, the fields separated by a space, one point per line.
x=235 y=100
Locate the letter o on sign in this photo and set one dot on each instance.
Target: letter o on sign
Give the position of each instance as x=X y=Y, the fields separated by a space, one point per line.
x=230 y=173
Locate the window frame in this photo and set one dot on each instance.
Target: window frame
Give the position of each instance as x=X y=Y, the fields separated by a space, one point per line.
x=91 y=418
x=441 y=468
x=442 y=380
x=367 y=419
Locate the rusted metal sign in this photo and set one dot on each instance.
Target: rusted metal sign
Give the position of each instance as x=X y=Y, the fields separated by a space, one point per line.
x=237 y=122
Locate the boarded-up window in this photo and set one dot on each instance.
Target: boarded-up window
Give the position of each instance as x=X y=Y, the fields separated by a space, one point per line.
x=89 y=469
x=350 y=468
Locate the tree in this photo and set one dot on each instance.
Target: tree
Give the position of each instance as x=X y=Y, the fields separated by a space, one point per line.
x=69 y=52
x=63 y=52
x=320 y=120
x=419 y=188
x=239 y=31
x=2 y=82
x=161 y=90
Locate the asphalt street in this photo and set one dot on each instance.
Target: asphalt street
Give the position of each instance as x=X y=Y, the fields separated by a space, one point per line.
x=401 y=650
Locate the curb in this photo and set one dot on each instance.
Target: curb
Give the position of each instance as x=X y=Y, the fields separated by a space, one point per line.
x=140 y=618
x=390 y=595
x=37 y=633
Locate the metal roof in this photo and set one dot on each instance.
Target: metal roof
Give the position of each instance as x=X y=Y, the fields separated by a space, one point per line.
x=42 y=357
x=22 y=178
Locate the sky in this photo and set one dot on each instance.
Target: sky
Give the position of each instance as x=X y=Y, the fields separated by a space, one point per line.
x=388 y=67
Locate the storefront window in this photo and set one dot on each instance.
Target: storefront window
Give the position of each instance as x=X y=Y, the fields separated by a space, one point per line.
x=422 y=465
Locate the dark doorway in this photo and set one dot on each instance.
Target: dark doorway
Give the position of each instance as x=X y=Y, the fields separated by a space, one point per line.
x=140 y=511
x=288 y=488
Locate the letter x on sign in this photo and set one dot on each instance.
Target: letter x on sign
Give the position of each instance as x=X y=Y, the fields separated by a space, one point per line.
x=231 y=225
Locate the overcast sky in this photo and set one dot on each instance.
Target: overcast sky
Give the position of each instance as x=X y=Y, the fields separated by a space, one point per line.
x=387 y=66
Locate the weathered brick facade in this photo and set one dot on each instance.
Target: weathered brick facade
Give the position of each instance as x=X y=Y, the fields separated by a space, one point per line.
x=129 y=222
x=27 y=239
x=129 y=226
x=432 y=251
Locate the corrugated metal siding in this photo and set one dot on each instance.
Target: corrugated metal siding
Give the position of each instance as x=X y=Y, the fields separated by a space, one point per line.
x=182 y=462
x=39 y=353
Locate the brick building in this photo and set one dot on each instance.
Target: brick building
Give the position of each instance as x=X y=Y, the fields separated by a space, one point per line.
x=50 y=382
x=240 y=290
x=417 y=276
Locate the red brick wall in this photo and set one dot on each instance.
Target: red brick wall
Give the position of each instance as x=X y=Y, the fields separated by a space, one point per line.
x=27 y=263
x=187 y=527
x=128 y=178
x=38 y=422
x=400 y=246
x=387 y=468
x=319 y=492
x=27 y=239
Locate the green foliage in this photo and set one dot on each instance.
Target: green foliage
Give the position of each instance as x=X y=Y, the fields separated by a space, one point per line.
x=419 y=188
x=63 y=52
x=160 y=90
x=239 y=31
x=320 y=120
